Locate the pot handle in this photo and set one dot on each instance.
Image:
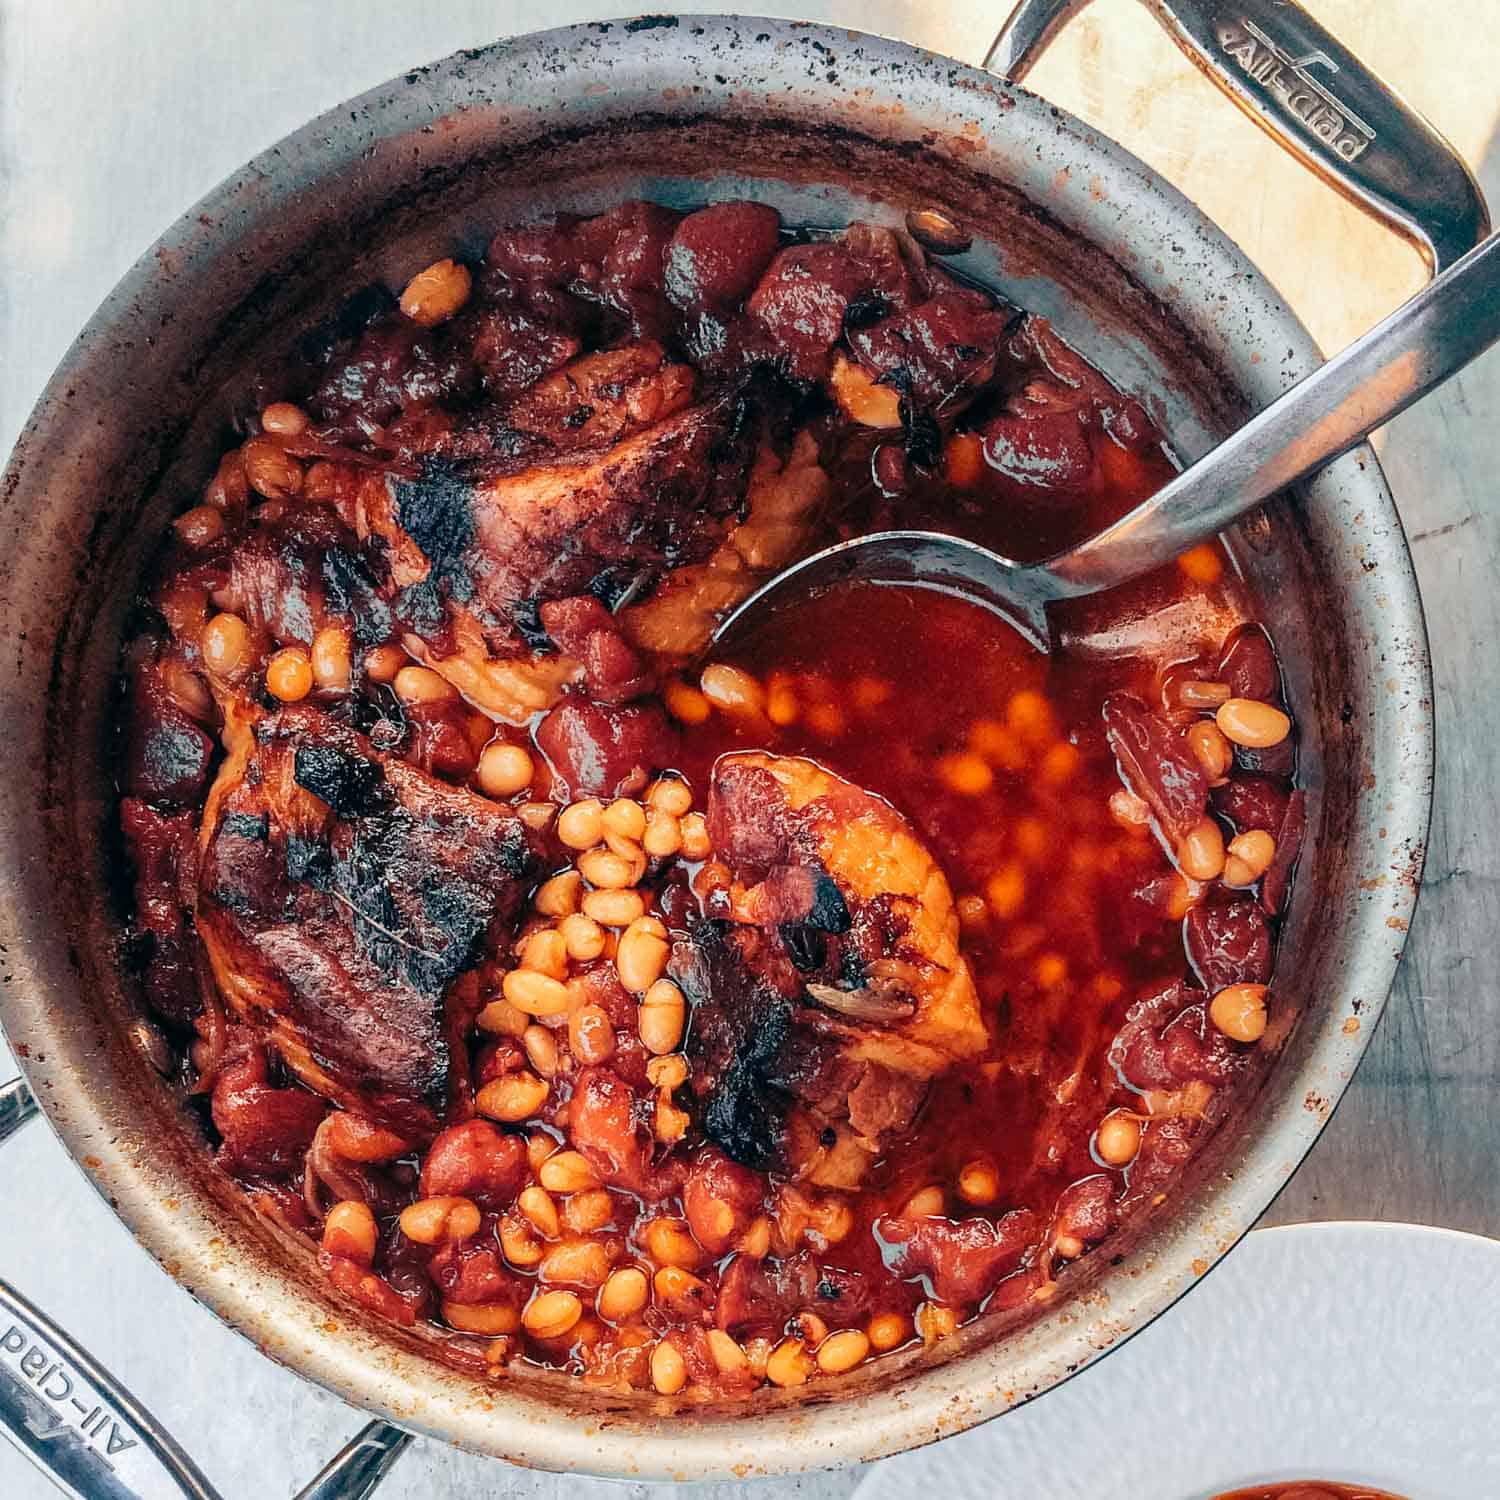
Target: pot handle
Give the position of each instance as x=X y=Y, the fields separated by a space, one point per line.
x=17 y=1106
x=355 y=1470
x=91 y=1437
x=76 y=1423
x=1314 y=97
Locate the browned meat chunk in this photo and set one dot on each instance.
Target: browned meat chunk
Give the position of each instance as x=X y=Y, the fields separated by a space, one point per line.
x=264 y=1131
x=1167 y=1042
x=757 y=1297
x=811 y=293
x=161 y=849
x=1157 y=765
x=582 y=628
x=341 y=893
x=835 y=991
x=1228 y=944
x=167 y=755
x=1049 y=436
x=474 y=1160
x=612 y=479
x=608 y=1127
x=599 y=751
x=964 y=1258
x=939 y=348
x=716 y=256
x=372 y=372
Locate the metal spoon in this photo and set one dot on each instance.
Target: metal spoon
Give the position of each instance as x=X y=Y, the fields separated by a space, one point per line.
x=1450 y=322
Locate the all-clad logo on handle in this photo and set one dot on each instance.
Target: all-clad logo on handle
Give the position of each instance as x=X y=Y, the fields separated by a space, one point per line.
x=69 y=1398
x=1290 y=80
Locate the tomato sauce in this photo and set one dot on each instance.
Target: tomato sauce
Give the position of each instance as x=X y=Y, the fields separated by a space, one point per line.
x=900 y=686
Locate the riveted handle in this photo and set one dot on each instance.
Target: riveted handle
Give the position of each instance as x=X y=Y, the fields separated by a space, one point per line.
x=76 y=1423
x=1312 y=95
x=91 y=1437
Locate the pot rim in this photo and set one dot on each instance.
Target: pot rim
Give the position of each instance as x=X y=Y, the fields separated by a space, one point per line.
x=288 y=1321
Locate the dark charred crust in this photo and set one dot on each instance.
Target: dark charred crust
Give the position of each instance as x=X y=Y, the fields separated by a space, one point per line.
x=437 y=511
x=450 y=906
x=351 y=589
x=865 y=309
x=350 y=784
x=255 y=827
x=232 y=898
x=830 y=912
x=921 y=437
x=308 y=861
x=513 y=852
x=745 y=1116
x=461 y=913
x=806 y=945
x=357 y=875
x=739 y=1029
x=422 y=609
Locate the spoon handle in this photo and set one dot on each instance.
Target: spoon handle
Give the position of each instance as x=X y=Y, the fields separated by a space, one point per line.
x=1450 y=322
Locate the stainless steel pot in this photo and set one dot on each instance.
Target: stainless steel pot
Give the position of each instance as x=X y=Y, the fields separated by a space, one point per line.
x=827 y=125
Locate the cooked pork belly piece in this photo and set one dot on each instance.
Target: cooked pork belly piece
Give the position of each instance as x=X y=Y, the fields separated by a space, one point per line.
x=833 y=990
x=343 y=896
x=600 y=479
x=611 y=477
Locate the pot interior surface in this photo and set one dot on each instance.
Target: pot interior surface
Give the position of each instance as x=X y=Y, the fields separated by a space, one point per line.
x=829 y=127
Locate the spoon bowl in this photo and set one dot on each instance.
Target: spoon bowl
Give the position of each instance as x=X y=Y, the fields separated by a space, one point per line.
x=1016 y=592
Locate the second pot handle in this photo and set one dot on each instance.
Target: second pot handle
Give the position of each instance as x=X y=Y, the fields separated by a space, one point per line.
x=1310 y=93
x=92 y=1438
x=77 y=1424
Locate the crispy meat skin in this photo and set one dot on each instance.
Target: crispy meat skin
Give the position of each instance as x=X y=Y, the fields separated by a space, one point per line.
x=834 y=890
x=341 y=894
x=603 y=473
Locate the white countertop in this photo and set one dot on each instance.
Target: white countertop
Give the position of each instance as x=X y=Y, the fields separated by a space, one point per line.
x=116 y=117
